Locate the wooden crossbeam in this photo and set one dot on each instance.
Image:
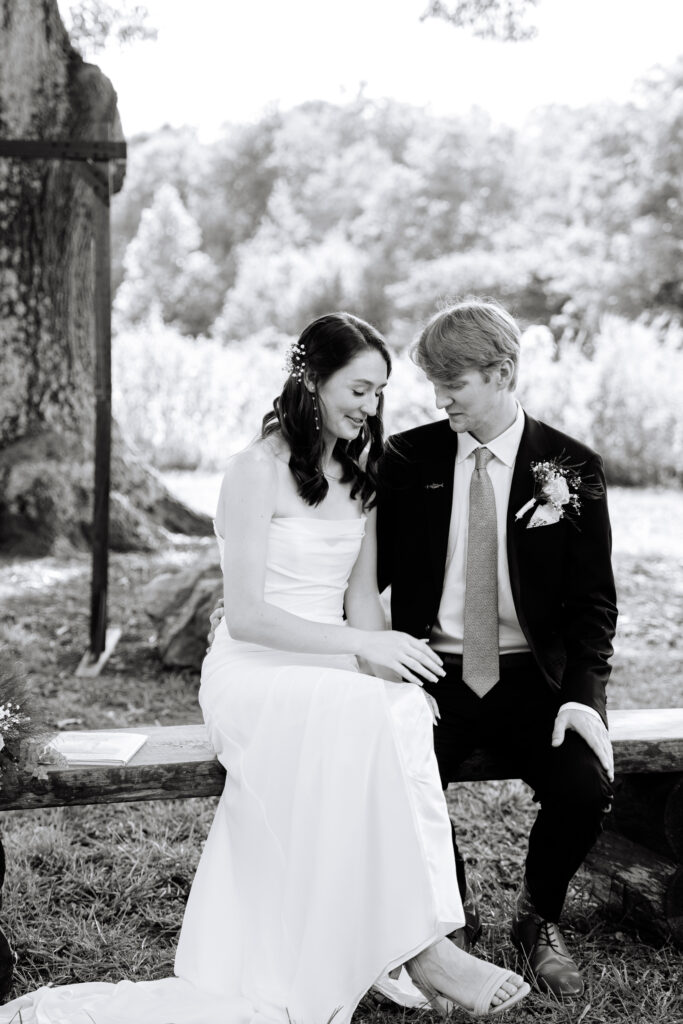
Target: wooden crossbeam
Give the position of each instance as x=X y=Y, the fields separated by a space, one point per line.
x=177 y=761
x=97 y=179
x=63 y=149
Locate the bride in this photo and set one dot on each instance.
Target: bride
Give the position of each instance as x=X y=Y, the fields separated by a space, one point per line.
x=329 y=862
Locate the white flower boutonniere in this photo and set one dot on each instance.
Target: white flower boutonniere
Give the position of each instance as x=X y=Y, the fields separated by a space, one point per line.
x=558 y=493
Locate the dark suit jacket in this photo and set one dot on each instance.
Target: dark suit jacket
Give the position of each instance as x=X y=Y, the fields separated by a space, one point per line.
x=561 y=574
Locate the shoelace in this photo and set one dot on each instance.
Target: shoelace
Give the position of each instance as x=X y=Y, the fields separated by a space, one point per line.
x=552 y=937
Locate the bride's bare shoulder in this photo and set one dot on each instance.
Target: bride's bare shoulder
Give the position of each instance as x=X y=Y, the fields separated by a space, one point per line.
x=252 y=471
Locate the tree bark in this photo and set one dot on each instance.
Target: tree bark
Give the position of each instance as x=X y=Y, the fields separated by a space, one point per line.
x=47 y=310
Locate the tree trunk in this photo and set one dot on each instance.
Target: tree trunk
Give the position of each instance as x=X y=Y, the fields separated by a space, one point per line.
x=649 y=810
x=638 y=885
x=636 y=867
x=46 y=306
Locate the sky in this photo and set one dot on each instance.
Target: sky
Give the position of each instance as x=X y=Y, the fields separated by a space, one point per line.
x=218 y=61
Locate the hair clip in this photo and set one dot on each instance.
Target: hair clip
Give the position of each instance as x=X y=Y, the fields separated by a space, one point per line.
x=295 y=361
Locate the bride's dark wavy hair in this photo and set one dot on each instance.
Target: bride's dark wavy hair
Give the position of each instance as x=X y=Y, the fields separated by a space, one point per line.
x=328 y=344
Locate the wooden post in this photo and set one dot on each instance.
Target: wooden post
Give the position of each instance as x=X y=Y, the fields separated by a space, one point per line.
x=100 y=531
x=102 y=640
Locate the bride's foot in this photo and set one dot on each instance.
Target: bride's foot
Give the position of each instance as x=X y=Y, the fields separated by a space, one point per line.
x=447 y=974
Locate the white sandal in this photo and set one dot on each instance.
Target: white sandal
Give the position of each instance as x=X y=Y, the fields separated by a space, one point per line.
x=445 y=1001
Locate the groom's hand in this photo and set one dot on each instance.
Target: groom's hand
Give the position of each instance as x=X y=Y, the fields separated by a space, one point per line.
x=591 y=729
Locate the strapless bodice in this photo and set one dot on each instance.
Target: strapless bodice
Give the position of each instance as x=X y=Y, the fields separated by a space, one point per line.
x=308 y=564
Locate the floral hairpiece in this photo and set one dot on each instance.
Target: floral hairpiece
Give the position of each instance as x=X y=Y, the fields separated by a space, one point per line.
x=295 y=361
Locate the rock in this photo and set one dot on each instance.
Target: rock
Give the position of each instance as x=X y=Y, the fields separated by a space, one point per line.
x=182 y=641
x=163 y=595
x=46 y=497
x=180 y=604
x=129 y=528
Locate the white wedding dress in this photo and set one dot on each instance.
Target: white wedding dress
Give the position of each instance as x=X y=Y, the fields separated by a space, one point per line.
x=329 y=861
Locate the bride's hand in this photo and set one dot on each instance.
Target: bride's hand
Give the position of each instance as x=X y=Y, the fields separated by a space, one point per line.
x=378 y=670
x=433 y=707
x=214 y=621
x=406 y=656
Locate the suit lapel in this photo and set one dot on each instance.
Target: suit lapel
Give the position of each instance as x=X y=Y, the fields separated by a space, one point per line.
x=531 y=449
x=437 y=498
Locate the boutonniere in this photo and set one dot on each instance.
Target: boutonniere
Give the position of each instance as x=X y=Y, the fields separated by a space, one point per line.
x=433 y=487
x=559 y=491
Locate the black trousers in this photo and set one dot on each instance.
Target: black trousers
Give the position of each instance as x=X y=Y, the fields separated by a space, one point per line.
x=516 y=719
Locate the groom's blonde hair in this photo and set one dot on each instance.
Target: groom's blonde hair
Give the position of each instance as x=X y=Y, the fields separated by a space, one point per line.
x=475 y=334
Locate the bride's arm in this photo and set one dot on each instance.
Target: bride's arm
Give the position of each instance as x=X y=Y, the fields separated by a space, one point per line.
x=245 y=509
x=362 y=602
x=364 y=608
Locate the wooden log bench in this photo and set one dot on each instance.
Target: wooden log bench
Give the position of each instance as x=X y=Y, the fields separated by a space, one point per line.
x=636 y=867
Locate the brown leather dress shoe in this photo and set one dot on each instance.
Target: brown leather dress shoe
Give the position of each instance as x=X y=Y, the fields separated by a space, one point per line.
x=547 y=960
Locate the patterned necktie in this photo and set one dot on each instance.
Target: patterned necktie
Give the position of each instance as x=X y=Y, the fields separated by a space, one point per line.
x=480 y=669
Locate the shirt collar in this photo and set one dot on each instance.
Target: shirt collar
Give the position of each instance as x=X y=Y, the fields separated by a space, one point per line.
x=504 y=447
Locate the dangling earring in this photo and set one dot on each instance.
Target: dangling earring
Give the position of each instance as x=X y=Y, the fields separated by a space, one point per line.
x=315 y=413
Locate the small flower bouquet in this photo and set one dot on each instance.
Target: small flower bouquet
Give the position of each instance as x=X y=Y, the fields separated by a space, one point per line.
x=18 y=723
x=559 y=491
x=14 y=722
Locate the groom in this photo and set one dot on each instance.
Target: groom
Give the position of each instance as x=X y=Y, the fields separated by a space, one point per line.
x=494 y=535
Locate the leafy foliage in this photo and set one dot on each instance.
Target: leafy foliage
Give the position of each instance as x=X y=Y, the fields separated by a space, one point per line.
x=166 y=269
x=574 y=222
x=383 y=208
x=192 y=403
x=93 y=22
x=488 y=19
x=185 y=404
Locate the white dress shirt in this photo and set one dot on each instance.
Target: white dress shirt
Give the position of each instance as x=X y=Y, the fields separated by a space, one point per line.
x=448 y=629
x=447 y=634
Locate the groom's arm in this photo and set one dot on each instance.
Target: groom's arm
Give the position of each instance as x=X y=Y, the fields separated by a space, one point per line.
x=385 y=527
x=589 y=609
x=387 y=505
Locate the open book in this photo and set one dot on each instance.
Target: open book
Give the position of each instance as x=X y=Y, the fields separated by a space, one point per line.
x=97 y=747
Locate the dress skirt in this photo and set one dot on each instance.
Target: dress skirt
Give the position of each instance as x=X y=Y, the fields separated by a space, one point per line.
x=329 y=861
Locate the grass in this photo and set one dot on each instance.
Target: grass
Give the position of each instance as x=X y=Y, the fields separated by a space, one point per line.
x=97 y=893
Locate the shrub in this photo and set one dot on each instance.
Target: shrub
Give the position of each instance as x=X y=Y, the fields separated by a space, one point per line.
x=626 y=401
x=557 y=383
x=638 y=404
x=189 y=404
